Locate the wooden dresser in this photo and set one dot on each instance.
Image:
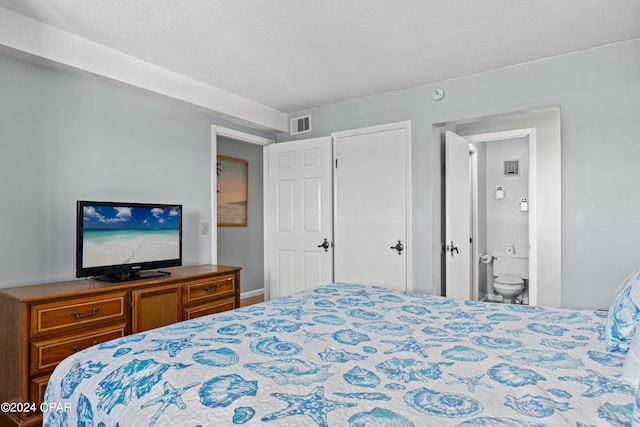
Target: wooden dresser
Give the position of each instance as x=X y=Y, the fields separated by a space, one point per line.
x=42 y=324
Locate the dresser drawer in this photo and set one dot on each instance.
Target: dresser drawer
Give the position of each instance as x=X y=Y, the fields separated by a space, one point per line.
x=38 y=387
x=68 y=314
x=211 y=287
x=212 y=308
x=47 y=353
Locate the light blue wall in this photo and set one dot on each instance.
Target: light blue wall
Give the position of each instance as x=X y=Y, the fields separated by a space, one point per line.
x=244 y=246
x=64 y=138
x=598 y=92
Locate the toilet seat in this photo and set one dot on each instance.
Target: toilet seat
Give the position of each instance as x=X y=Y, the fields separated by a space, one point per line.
x=509 y=279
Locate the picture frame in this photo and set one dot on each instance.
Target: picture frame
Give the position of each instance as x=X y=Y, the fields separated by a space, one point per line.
x=232 y=191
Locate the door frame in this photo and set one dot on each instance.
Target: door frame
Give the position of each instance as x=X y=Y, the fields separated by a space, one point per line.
x=213 y=228
x=530 y=134
x=475 y=270
x=406 y=125
x=548 y=158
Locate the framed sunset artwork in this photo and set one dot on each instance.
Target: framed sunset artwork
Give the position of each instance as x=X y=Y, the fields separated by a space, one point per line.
x=232 y=191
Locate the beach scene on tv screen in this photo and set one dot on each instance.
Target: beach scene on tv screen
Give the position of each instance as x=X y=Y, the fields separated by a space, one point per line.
x=129 y=235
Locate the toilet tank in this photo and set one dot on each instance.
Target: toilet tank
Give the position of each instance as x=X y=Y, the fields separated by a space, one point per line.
x=503 y=264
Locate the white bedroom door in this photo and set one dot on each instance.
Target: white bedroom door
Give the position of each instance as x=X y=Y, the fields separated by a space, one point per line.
x=300 y=216
x=373 y=206
x=457 y=217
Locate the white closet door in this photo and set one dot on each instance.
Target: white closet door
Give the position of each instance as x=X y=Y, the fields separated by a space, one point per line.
x=300 y=216
x=372 y=206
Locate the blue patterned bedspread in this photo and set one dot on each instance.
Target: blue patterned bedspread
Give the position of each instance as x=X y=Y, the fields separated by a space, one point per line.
x=351 y=355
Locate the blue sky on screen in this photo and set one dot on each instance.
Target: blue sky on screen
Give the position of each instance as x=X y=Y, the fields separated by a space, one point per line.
x=120 y=217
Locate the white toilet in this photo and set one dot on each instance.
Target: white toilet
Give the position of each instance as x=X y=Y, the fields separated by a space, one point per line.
x=509 y=274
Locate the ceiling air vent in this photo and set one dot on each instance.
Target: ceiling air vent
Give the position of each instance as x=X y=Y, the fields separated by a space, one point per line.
x=512 y=168
x=300 y=125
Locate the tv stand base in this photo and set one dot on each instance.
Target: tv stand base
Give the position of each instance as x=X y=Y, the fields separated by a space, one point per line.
x=134 y=275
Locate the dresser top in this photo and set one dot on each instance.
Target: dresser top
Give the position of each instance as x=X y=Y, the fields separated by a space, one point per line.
x=91 y=285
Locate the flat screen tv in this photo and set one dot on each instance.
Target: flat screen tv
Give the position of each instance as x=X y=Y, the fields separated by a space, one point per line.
x=118 y=241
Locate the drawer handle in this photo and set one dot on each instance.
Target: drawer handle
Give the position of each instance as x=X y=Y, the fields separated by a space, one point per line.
x=206 y=313
x=77 y=315
x=75 y=348
x=206 y=288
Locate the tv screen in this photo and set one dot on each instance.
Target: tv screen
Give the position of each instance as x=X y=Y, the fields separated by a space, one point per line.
x=118 y=241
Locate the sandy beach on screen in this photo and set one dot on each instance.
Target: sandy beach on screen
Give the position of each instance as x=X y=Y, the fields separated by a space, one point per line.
x=130 y=251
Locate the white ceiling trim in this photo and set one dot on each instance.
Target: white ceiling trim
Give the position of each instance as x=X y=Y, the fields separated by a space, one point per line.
x=239 y=135
x=66 y=51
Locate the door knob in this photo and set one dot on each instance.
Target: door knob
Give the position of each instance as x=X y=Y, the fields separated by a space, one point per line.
x=452 y=248
x=398 y=247
x=324 y=245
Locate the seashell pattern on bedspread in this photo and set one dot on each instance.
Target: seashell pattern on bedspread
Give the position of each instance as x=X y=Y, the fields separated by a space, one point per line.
x=355 y=356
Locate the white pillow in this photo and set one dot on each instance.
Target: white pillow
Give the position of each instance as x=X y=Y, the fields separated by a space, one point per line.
x=631 y=367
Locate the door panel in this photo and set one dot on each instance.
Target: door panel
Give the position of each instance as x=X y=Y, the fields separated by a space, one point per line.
x=312 y=266
x=285 y=276
x=285 y=205
x=457 y=217
x=312 y=205
x=300 y=200
x=371 y=191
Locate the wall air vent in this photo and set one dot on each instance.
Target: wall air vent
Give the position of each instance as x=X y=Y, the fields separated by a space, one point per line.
x=512 y=168
x=300 y=125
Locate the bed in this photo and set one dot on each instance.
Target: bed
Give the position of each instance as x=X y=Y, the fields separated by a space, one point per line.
x=352 y=355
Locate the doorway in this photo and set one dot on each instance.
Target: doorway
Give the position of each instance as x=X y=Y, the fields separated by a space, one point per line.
x=545 y=190
x=501 y=184
x=239 y=245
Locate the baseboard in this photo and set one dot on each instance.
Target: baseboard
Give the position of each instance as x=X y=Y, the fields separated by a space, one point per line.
x=250 y=294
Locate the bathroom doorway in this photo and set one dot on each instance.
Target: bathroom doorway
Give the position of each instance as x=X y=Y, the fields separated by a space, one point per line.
x=501 y=204
x=542 y=209
x=487 y=205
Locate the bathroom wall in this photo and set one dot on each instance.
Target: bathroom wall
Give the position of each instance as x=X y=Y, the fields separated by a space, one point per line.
x=505 y=224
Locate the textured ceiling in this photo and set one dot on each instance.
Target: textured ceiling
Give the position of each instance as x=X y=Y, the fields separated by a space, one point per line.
x=297 y=54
